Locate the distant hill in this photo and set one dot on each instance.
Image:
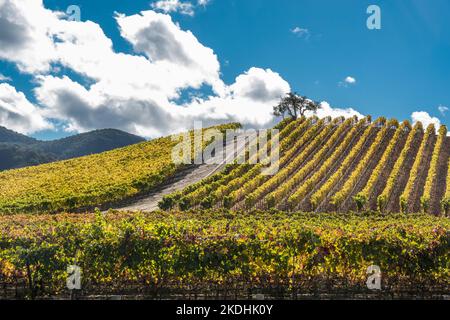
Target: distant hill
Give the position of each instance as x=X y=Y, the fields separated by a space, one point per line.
x=9 y=136
x=17 y=150
x=89 y=143
x=17 y=156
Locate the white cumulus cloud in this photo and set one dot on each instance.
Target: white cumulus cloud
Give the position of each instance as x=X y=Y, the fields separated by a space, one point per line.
x=203 y=2
x=138 y=92
x=17 y=113
x=182 y=7
x=24 y=34
x=326 y=110
x=185 y=60
x=348 y=81
x=301 y=32
x=168 y=6
x=250 y=99
x=425 y=118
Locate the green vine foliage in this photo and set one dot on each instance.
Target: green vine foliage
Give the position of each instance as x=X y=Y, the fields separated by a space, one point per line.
x=162 y=251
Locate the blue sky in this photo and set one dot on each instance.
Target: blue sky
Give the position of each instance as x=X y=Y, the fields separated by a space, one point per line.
x=400 y=69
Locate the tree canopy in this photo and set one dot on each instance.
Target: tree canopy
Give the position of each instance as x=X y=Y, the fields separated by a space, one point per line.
x=294 y=106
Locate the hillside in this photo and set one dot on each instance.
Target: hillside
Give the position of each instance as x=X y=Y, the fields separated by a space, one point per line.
x=89 y=143
x=9 y=136
x=17 y=155
x=17 y=151
x=326 y=165
x=89 y=181
x=337 y=165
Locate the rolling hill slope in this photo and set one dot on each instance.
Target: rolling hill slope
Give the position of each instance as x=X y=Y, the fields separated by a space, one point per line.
x=14 y=156
x=94 y=180
x=338 y=165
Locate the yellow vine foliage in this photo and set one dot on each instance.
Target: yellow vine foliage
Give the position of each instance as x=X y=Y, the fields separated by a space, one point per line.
x=91 y=180
x=286 y=135
x=432 y=171
x=259 y=179
x=256 y=188
x=287 y=186
x=320 y=195
x=405 y=197
x=446 y=201
x=350 y=183
x=289 y=143
x=393 y=177
x=363 y=196
x=309 y=184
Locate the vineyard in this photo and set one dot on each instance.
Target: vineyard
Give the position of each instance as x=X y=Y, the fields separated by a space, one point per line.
x=90 y=181
x=223 y=254
x=337 y=165
x=225 y=159
x=349 y=194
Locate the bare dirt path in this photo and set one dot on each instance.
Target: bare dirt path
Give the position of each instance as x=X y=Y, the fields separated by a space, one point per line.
x=178 y=183
x=184 y=178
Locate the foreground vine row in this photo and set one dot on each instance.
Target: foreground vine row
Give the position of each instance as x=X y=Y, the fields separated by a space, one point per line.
x=170 y=252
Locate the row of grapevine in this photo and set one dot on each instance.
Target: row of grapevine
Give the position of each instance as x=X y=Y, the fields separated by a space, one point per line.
x=286 y=170
x=352 y=180
x=283 y=190
x=432 y=171
x=201 y=193
x=405 y=198
x=246 y=185
x=302 y=134
x=184 y=198
x=195 y=197
x=169 y=253
x=326 y=163
x=310 y=183
x=383 y=198
x=293 y=131
x=320 y=195
x=363 y=196
x=446 y=201
x=287 y=124
x=298 y=142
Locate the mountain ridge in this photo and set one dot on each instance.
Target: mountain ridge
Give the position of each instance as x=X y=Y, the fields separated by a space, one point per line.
x=18 y=150
x=10 y=136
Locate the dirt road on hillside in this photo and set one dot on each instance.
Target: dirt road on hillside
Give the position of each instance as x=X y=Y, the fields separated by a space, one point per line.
x=181 y=180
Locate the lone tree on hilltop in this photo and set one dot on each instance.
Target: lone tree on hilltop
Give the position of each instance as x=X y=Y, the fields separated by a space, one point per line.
x=294 y=106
